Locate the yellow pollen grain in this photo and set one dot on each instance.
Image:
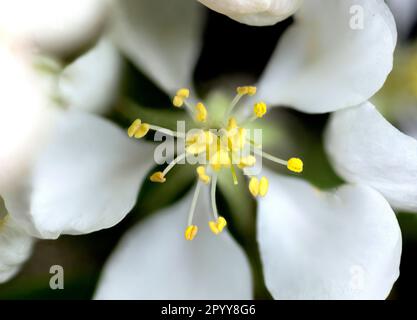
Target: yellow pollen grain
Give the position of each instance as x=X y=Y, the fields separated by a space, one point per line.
x=254 y=186
x=201 y=112
x=138 y=129
x=295 y=165
x=158 y=177
x=217 y=226
x=190 y=232
x=259 y=109
x=201 y=171
x=178 y=101
x=263 y=186
x=183 y=93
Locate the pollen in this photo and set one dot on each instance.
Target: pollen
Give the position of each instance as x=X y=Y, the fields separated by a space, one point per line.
x=202 y=175
x=295 y=165
x=138 y=129
x=190 y=232
x=158 y=177
x=183 y=93
x=217 y=226
x=201 y=112
x=259 y=109
x=247 y=90
x=178 y=101
x=258 y=187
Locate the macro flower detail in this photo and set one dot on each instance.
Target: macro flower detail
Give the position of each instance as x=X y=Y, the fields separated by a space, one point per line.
x=218 y=145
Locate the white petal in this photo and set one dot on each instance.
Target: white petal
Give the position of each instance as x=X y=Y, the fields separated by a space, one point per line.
x=161 y=37
x=59 y=27
x=15 y=246
x=321 y=64
x=405 y=15
x=365 y=148
x=24 y=117
x=317 y=245
x=91 y=83
x=255 y=12
x=86 y=179
x=154 y=261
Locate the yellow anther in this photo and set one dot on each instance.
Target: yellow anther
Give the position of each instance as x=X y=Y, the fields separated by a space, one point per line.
x=258 y=187
x=221 y=223
x=183 y=93
x=248 y=161
x=157 y=177
x=242 y=90
x=295 y=165
x=231 y=124
x=138 y=129
x=263 y=186
x=220 y=159
x=200 y=142
x=259 y=109
x=254 y=186
x=201 y=171
x=191 y=232
x=201 y=112
x=247 y=90
x=251 y=91
x=217 y=226
x=178 y=101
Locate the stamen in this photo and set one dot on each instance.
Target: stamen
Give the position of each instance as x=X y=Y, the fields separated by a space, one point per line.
x=241 y=91
x=138 y=129
x=213 y=196
x=234 y=176
x=258 y=187
x=194 y=203
x=259 y=109
x=158 y=177
x=270 y=157
x=191 y=232
x=180 y=99
x=295 y=165
x=167 y=131
x=201 y=112
x=220 y=223
x=202 y=175
x=217 y=226
x=173 y=163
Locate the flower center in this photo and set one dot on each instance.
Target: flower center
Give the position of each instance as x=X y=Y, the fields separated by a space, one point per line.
x=231 y=147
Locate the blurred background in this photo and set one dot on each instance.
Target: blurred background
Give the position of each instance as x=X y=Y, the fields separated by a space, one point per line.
x=233 y=54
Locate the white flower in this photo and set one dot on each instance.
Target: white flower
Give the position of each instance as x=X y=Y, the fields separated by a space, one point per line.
x=64 y=171
x=255 y=12
x=365 y=148
x=57 y=27
x=344 y=244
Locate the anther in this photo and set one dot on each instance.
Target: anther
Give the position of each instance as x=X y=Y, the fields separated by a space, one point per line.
x=295 y=165
x=217 y=226
x=158 y=177
x=191 y=232
x=259 y=109
x=201 y=112
x=202 y=175
x=138 y=129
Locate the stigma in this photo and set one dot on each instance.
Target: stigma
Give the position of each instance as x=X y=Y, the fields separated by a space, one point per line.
x=227 y=146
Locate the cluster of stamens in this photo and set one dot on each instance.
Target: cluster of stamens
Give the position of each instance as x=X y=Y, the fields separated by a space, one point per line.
x=219 y=149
